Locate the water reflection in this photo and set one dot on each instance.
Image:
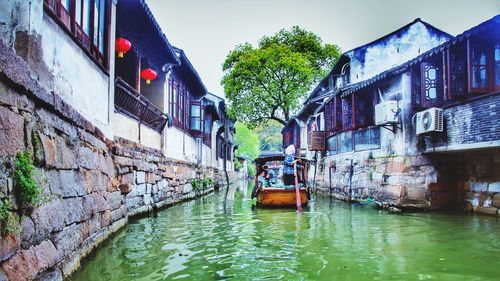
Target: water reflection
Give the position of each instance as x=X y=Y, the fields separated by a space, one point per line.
x=221 y=237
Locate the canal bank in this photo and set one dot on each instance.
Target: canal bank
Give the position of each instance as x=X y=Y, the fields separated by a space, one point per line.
x=222 y=236
x=90 y=184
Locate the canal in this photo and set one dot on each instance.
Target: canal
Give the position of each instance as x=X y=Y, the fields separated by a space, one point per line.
x=223 y=237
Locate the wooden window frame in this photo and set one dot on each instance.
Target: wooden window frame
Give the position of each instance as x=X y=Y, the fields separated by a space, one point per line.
x=195 y=132
x=67 y=20
x=471 y=46
x=349 y=100
x=436 y=83
x=207 y=136
x=368 y=111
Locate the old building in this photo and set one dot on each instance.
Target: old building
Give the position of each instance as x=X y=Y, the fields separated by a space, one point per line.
x=410 y=121
x=107 y=137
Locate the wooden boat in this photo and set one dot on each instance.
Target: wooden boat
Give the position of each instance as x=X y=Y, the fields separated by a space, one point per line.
x=276 y=194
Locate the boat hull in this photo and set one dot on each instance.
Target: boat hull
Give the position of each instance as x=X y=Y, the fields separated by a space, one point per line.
x=280 y=197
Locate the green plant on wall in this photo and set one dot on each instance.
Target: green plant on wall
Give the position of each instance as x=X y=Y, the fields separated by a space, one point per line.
x=197 y=184
x=207 y=182
x=26 y=185
x=8 y=221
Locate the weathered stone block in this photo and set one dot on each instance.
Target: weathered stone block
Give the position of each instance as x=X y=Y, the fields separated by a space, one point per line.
x=53 y=275
x=148 y=188
x=114 y=199
x=67 y=240
x=8 y=246
x=26 y=264
x=123 y=161
x=134 y=202
x=47 y=218
x=73 y=210
x=127 y=178
x=140 y=177
x=94 y=223
x=151 y=178
x=490 y=211
x=494 y=186
x=12 y=132
x=495 y=202
x=147 y=199
x=66 y=183
x=125 y=188
x=105 y=219
x=87 y=158
x=187 y=188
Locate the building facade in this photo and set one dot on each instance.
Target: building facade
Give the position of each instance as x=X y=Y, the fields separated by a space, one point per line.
x=410 y=121
x=106 y=143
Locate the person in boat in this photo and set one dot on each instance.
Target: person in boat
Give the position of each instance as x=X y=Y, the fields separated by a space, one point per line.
x=288 y=165
x=263 y=175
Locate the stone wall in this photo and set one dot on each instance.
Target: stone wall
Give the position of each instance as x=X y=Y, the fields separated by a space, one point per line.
x=479 y=181
x=91 y=184
x=391 y=180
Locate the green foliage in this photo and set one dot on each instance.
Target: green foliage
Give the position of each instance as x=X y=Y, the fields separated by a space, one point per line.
x=251 y=170
x=270 y=136
x=207 y=182
x=197 y=184
x=247 y=141
x=269 y=82
x=30 y=193
x=8 y=221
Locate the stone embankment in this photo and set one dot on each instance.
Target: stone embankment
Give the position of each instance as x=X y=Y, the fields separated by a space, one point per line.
x=91 y=185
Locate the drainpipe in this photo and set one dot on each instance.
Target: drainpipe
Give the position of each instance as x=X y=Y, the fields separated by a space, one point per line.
x=351 y=172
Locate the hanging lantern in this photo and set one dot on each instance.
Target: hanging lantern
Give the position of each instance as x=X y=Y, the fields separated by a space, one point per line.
x=148 y=74
x=122 y=46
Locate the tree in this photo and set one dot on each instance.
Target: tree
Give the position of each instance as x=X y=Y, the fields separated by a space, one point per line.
x=248 y=146
x=269 y=82
x=270 y=136
x=247 y=141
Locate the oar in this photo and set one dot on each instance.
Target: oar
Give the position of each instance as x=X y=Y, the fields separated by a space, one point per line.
x=297 y=190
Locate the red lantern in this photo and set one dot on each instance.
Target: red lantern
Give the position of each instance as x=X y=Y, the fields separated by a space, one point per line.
x=122 y=46
x=148 y=74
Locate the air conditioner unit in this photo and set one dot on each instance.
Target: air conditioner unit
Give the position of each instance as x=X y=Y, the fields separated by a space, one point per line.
x=430 y=120
x=387 y=112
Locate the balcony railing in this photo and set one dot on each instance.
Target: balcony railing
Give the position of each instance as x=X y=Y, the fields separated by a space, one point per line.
x=134 y=105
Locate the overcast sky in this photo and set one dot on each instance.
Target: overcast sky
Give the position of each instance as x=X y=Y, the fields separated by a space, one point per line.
x=208 y=29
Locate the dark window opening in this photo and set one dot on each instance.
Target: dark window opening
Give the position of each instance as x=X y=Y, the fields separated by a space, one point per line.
x=347 y=113
x=364 y=110
x=457 y=72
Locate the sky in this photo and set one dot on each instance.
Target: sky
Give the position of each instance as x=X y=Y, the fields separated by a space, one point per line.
x=207 y=30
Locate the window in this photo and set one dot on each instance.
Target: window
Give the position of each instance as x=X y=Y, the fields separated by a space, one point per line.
x=207 y=128
x=347 y=113
x=181 y=106
x=195 y=123
x=333 y=116
x=457 y=71
x=431 y=84
x=367 y=139
x=497 y=66
x=416 y=92
x=87 y=22
x=479 y=70
x=345 y=142
x=364 y=110
x=331 y=145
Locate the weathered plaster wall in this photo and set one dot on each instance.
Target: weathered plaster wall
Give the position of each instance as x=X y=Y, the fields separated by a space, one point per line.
x=373 y=59
x=178 y=145
x=128 y=128
x=78 y=80
x=91 y=184
x=57 y=62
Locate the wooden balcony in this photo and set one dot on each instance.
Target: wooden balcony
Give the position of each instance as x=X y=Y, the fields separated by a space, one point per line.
x=134 y=105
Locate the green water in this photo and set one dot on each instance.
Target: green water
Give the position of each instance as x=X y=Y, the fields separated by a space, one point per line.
x=221 y=237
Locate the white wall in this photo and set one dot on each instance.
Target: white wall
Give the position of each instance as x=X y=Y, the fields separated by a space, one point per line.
x=127 y=128
x=76 y=78
x=374 y=59
x=179 y=145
